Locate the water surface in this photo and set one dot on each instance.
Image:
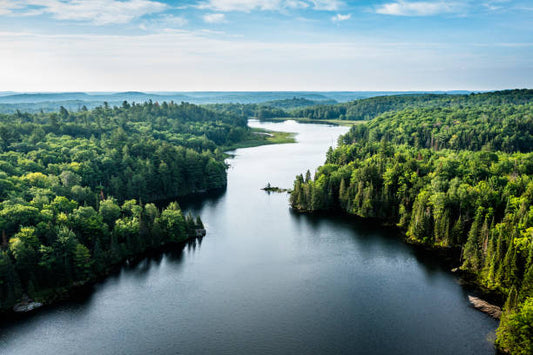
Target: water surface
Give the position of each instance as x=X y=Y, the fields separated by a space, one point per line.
x=268 y=281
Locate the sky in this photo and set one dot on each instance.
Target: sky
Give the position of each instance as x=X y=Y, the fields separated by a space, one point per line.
x=265 y=45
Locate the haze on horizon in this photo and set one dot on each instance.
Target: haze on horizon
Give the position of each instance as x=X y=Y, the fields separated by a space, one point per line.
x=265 y=45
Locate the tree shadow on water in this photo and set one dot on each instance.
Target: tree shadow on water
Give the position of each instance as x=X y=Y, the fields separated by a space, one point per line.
x=370 y=234
x=195 y=202
x=78 y=301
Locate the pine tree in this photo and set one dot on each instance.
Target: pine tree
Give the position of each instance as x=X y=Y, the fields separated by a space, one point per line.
x=471 y=251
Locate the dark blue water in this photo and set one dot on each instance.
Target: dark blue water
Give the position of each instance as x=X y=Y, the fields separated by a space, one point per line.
x=268 y=281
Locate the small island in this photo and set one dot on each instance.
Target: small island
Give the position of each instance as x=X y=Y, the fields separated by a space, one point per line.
x=269 y=188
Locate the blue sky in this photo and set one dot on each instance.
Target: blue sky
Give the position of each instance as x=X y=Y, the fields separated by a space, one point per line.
x=112 y=45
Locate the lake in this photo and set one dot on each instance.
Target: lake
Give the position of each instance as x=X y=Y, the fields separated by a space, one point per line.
x=266 y=280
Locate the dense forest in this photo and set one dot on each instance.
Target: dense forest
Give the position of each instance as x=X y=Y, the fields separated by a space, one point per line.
x=458 y=175
x=77 y=189
x=267 y=109
x=370 y=108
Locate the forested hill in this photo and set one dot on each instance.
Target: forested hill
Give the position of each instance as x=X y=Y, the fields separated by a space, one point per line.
x=505 y=128
x=456 y=176
x=366 y=109
x=76 y=187
x=268 y=109
x=296 y=102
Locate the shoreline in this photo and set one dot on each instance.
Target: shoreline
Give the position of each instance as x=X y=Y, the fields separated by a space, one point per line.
x=71 y=292
x=335 y=122
x=263 y=137
x=446 y=256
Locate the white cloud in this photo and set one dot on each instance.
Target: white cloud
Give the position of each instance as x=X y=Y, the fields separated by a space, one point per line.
x=242 y=5
x=100 y=12
x=495 y=5
x=328 y=5
x=419 y=8
x=271 y=5
x=296 y=4
x=163 y=22
x=215 y=18
x=188 y=61
x=341 y=17
x=170 y=21
x=8 y=6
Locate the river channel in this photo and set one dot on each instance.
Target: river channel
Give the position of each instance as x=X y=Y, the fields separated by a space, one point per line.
x=266 y=280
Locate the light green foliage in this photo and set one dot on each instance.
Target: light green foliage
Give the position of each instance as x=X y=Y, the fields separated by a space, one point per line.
x=63 y=204
x=172 y=222
x=131 y=208
x=515 y=333
x=23 y=246
x=70 y=183
x=109 y=211
x=151 y=212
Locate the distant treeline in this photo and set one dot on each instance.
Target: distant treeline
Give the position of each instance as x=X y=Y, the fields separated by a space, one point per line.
x=370 y=108
x=456 y=175
x=76 y=188
x=268 y=109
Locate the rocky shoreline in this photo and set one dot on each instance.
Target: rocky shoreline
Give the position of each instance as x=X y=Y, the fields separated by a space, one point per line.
x=485 y=307
x=26 y=305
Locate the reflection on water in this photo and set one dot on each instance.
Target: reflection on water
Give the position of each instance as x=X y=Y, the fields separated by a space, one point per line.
x=267 y=280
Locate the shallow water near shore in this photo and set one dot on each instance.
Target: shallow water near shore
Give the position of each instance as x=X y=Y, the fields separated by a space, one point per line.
x=266 y=280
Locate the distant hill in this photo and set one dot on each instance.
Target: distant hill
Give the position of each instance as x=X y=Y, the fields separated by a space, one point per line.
x=46 y=106
x=85 y=97
x=35 y=102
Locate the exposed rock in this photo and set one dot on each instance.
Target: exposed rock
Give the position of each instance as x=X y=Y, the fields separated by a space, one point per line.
x=19 y=307
x=484 y=306
x=26 y=305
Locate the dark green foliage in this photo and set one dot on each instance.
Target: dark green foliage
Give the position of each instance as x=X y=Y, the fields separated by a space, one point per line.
x=449 y=177
x=260 y=111
x=67 y=180
x=268 y=109
x=296 y=102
